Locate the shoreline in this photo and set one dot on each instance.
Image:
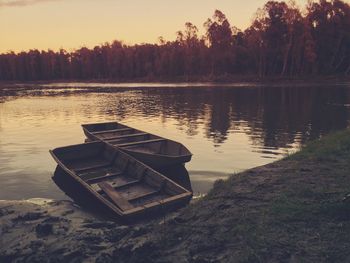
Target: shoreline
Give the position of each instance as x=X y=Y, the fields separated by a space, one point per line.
x=224 y=79
x=296 y=209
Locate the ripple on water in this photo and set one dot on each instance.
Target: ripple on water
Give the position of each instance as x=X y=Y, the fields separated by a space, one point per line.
x=228 y=127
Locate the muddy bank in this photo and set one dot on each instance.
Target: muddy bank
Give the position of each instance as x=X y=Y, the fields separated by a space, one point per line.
x=293 y=210
x=60 y=231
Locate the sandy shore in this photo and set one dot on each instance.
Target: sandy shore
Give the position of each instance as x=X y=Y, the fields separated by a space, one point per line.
x=293 y=210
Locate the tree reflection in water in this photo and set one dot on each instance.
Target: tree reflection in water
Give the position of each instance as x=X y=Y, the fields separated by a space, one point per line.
x=228 y=127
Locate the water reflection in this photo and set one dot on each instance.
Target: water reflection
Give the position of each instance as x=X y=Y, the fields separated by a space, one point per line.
x=273 y=117
x=228 y=128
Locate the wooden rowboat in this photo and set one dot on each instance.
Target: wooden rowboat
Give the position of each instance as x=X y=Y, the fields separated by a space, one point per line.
x=150 y=149
x=124 y=187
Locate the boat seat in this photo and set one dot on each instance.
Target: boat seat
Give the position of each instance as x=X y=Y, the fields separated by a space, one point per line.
x=125 y=136
x=119 y=200
x=143 y=195
x=93 y=179
x=139 y=142
x=109 y=131
x=84 y=168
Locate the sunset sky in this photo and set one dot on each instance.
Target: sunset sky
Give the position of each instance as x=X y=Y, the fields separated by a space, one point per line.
x=70 y=24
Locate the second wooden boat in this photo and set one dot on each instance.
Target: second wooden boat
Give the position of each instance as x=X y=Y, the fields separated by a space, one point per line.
x=151 y=149
x=124 y=187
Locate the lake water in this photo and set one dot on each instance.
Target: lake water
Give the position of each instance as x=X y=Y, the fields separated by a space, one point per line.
x=229 y=127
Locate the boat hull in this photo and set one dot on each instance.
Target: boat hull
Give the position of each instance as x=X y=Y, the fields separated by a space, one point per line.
x=155 y=160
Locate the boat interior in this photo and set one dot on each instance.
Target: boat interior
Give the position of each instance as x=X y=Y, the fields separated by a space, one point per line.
x=114 y=131
x=135 y=140
x=116 y=176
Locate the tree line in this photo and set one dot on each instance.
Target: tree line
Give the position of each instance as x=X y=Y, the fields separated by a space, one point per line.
x=281 y=41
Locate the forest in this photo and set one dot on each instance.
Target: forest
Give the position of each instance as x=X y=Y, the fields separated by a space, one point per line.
x=282 y=41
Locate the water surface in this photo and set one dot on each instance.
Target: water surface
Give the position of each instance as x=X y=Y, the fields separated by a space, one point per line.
x=229 y=128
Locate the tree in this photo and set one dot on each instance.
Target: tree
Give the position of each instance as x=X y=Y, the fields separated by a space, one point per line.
x=330 y=22
x=219 y=37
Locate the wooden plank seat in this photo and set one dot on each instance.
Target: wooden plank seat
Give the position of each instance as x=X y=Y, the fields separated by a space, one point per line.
x=110 y=131
x=144 y=195
x=139 y=191
x=117 y=187
x=140 y=142
x=96 y=179
x=128 y=184
x=125 y=136
x=91 y=167
x=119 y=200
x=118 y=182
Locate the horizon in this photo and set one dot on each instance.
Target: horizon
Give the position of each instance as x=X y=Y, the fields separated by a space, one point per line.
x=22 y=21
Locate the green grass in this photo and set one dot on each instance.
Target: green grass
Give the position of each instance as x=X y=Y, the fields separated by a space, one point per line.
x=331 y=147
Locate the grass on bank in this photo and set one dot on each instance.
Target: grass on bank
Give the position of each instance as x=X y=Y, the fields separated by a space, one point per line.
x=293 y=210
x=335 y=146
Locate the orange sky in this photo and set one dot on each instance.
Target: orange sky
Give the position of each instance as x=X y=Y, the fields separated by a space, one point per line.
x=43 y=24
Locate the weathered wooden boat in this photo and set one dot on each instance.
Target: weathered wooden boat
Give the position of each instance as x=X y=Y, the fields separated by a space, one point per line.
x=124 y=187
x=150 y=149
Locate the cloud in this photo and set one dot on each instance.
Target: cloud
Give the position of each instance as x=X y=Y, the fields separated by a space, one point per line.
x=12 y=3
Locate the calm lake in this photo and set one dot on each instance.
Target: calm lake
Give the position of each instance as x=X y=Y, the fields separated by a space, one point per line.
x=228 y=127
